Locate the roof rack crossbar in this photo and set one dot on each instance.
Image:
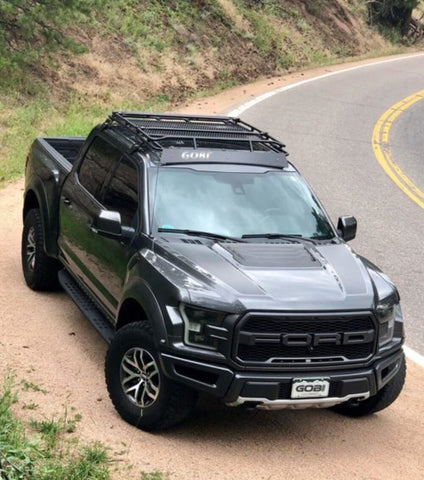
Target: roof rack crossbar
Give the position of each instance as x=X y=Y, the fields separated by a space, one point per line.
x=160 y=128
x=270 y=144
x=175 y=116
x=203 y=136
x=219 y=138
x=264 y=134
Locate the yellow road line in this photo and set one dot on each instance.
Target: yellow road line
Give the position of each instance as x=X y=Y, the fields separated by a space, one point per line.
x=380 y=143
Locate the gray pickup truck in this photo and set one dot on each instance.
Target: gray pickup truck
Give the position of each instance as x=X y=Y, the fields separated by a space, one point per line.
x=203 y=258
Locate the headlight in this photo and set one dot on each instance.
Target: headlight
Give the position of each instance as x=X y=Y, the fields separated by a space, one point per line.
x=196 y=321
x=386 y=314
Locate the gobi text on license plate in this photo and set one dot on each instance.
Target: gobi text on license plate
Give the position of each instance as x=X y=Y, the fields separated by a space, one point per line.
x=310 y=387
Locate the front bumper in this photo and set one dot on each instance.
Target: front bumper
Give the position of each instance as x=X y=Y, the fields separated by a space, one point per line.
x=273 y=389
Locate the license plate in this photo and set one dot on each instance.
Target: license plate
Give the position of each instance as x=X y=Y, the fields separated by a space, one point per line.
x=310 y=387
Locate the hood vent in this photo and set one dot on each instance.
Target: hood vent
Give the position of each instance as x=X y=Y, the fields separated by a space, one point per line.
x=272 y=255
x=192 y=241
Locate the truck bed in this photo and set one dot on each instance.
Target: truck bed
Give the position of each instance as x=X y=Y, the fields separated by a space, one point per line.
x=68 y=147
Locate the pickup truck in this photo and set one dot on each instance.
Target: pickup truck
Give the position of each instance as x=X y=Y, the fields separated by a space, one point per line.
x=203 y=258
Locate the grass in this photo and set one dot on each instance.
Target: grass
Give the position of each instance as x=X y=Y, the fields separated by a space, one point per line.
x=48 y=448
x=37 y=118
x=18 y=124
x=32 y=387
x=153 y=476
x=49 y=452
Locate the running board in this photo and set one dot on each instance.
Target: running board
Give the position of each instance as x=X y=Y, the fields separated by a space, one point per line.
x=87 y=306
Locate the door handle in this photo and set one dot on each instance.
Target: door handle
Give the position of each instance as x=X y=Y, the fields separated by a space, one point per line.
x=66 y=201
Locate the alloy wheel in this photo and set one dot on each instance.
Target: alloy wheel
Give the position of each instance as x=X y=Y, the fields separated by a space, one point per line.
x=140 y=378
x=31 y=248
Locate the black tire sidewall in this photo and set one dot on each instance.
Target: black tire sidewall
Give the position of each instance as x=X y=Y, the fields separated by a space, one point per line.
x=44 y=274
x=148 y=417
x=383 y=398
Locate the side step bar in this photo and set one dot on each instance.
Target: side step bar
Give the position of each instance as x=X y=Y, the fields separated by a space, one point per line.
x=87 y=306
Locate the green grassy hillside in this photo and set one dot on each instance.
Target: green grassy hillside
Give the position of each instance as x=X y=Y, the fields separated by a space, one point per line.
x=64 y=65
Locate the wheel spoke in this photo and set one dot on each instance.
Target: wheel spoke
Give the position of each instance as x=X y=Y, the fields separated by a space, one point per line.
x=133 y=370
x=151 y=391
x=130 y=389
x=137 y=390
x=152 y=374
x=129 y=378
x=150 y=364
x=154 y=388
x=133 y=363
x=143 y=364
x=134 y=388
x=143 y=394
x=150 y=394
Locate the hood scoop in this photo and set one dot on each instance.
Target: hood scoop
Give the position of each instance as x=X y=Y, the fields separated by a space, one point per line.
x=264 y=255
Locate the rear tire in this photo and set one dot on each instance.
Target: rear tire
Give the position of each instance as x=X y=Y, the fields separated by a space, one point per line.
x=384 y=397
x=40 y=270
x=140 y=392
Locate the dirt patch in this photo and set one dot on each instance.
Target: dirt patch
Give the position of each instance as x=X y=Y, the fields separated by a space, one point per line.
x=339 y=28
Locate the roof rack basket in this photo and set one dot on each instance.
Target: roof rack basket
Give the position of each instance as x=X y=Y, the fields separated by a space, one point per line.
x=153 y=128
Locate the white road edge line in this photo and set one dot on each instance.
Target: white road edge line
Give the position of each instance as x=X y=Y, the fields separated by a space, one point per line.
x=414 y=356
x=410 y=353
x=245 y=106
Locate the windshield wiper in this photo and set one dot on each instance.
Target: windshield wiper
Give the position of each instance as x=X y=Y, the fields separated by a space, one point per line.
x=284 y=236
x=198 y=233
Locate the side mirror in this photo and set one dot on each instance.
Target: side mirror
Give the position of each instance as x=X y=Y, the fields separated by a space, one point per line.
x=346 y=227
x=108 y=224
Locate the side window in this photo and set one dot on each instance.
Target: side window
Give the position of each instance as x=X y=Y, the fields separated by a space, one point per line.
x=122 y=192
x=96 y=164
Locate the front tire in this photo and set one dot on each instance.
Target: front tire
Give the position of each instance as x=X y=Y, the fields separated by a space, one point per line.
x=384 y=397
x=139 y=390
x=40 y=270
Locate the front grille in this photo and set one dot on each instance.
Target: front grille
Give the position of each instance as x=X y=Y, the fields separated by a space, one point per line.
x=260 y=339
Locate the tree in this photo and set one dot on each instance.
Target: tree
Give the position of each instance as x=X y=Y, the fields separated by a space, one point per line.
x=393 y=13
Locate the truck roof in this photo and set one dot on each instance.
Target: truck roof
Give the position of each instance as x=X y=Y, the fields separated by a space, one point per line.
x=184 y=139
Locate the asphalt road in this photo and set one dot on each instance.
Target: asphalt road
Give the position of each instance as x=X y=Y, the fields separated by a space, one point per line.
x=327 y=125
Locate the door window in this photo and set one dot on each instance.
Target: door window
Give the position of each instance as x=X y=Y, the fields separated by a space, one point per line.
x=122 y=193
x=96 y=165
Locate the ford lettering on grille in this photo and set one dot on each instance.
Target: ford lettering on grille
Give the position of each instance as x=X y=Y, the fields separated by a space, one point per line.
x=314 y=339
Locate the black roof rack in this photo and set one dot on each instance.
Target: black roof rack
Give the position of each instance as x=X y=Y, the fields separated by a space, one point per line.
x=150 y=129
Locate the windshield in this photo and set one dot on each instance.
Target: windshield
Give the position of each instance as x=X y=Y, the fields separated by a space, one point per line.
x=236 y=204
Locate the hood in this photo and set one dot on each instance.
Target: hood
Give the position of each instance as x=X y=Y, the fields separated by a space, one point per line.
x=272 y=276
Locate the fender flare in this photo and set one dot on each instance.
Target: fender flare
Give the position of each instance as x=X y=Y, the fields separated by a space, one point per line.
x=139 y=291
x=37 y=189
